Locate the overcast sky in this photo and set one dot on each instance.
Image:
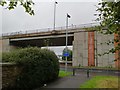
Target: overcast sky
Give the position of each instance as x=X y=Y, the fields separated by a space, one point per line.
x=81 y=12
x=17 y=20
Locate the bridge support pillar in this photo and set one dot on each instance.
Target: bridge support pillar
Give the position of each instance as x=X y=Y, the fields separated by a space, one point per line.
x=80 y=49
x=87 y=46
x=5 y=45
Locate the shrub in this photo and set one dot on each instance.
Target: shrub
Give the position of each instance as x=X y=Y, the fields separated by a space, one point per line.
x=39 y=66
x=9 y=56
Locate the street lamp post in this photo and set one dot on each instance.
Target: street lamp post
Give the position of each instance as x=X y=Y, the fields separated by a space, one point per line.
x=54 y=13
x=68 y=16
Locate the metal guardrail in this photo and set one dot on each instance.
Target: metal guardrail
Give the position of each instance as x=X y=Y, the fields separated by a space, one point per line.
x=98 y=69
x=93 y=70
x=88 y=25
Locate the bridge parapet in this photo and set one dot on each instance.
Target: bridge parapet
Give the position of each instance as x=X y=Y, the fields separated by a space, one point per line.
x=47 y=30
x=49 y=33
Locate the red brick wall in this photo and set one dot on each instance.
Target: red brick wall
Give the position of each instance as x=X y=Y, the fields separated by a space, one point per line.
x=91 y=51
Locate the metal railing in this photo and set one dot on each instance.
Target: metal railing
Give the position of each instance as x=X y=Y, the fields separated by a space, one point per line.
x=88 y=25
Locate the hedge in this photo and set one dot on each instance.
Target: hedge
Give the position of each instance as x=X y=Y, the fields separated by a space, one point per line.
x=39 y=66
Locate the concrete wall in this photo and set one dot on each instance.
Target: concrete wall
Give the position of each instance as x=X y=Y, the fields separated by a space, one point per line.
x=102 y=47
x=5 y=45
x=80 y=50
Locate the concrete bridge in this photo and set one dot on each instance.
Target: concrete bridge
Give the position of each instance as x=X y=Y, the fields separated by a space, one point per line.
x=40 y=39
x=44 y=37
x=86 y=44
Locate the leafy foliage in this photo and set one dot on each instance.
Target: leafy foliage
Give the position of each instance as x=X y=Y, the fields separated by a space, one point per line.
x=109 y=15
x=12 y=4
x=9 y=56
x=39 y=66
x=69 y=58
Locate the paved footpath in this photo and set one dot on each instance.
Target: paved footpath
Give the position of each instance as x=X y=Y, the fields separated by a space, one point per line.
x=68 y=82
x=72 y=81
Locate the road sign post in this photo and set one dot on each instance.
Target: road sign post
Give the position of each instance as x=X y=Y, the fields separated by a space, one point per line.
x=68 y=16
x=66 y=54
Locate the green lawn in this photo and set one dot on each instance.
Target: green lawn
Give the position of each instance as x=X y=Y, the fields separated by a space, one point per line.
x=64 y=73
x=101 y=82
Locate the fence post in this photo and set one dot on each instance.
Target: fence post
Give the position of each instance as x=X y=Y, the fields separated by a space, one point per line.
x=88 y=72
x=73 y=71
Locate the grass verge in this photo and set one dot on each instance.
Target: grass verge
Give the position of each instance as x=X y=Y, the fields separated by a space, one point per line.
x=64 y=73
x=101 y=82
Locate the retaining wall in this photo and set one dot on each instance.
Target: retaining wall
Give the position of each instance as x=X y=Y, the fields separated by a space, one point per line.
x=10 y=72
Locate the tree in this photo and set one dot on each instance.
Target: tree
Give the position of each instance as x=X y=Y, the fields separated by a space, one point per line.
x=69 y=58
x=109 y=16
x=12 y=4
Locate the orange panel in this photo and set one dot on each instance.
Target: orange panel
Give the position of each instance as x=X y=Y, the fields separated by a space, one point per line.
x=117 y=62
x=91 y=51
